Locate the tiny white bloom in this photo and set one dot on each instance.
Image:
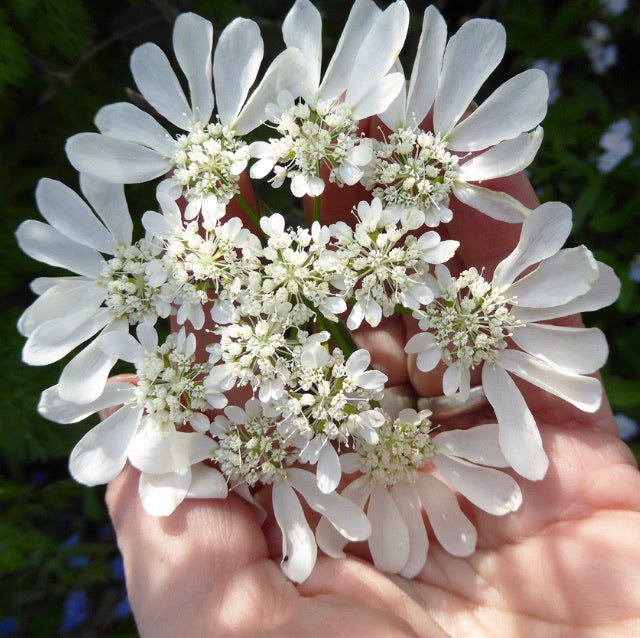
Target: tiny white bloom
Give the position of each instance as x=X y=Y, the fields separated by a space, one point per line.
x=393 y=490
x=473 y=322
x=207 y=160
x=109 y=291
x=420 y=169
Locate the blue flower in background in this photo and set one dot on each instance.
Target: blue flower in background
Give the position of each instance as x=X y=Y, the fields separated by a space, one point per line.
x=614 y=7
x=8 y=627
x=123 y=609
x=75 y=562
x=616 y=144
x=602 y=53
x=75 y=610
x=117 y=568
x=634 y=271
x=627 y=427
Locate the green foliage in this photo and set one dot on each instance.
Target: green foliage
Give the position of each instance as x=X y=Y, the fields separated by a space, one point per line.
x=62 y=60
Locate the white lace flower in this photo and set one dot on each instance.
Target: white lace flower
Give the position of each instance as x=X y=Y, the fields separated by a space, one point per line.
x=330 y=402
x=208 y=159
x=378 y=265
x=169 y=461
x=473 y=322
x=321 y=130
x=109 y=292
x=170 y=387
x=198 y=259
x=429 y=166
x=394 y=490
x=250 y=450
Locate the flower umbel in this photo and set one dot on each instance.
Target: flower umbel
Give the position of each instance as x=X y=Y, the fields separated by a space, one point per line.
x=263 y=310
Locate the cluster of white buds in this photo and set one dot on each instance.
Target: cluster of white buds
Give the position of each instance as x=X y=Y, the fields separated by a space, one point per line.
x=259 y=381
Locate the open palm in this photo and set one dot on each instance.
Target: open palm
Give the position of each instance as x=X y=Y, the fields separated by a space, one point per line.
x=566 y=564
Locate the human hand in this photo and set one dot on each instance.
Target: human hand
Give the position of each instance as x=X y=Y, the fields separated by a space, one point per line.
x=567 y=563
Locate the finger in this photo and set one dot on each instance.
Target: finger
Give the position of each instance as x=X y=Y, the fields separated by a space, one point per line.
x=361 y=582
x=178 y=568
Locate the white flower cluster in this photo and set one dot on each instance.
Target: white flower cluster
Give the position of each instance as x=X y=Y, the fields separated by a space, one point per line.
x=259 y=381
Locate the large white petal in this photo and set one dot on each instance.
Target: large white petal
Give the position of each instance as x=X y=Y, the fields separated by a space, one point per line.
x=479 y=444
x=395 y=114
x=542 y=235
x=299 y=548
x=159 y=85
x=360 y=21
x=101 y=453
x=113 y=160
x=491 y=490
x=207 y=482
x=109 y=202
x=54 y=408
x=495 y=204
x=410 y=509
x=379 y=50
x=55 y=339
x=121 y=345
x=302 y=29
x=69 y=215
x=604 y=292
x=237 y=59
x=160 y=452
x=452 y=528
x=125 y=121
x=328 y=470
x=519 y=105
x=519 y=437
x=581 y=350
x=162 y=493
x=40 y=285
x=379 y=97
x=84 y=377
x=285 y=74
x=344 y=515
x=192 y=43
x=61 y=301
x=506 y=158
x=329 y=539
x=470 y=57
x=583 y=392
x=48 y=245
x=568 y=274
x=426 y=67
x=389 y=540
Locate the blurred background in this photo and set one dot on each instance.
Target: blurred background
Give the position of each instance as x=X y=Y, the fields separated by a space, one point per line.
x=60 y=571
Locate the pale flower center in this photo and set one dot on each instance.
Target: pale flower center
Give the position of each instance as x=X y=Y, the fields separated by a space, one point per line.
x=128 y=293
x=253 y=452
x=413 y=169
x=208 y=161
x=169 y=386
x=471 y=320
x=314 y=135
x=404 y=447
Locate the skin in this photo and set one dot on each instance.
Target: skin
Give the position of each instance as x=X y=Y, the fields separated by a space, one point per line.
x=566 y=564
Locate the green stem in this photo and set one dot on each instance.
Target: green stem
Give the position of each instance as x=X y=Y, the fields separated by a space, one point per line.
x=403 y=310
x=339 y=333
x=253 y=216
x=316 y=209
